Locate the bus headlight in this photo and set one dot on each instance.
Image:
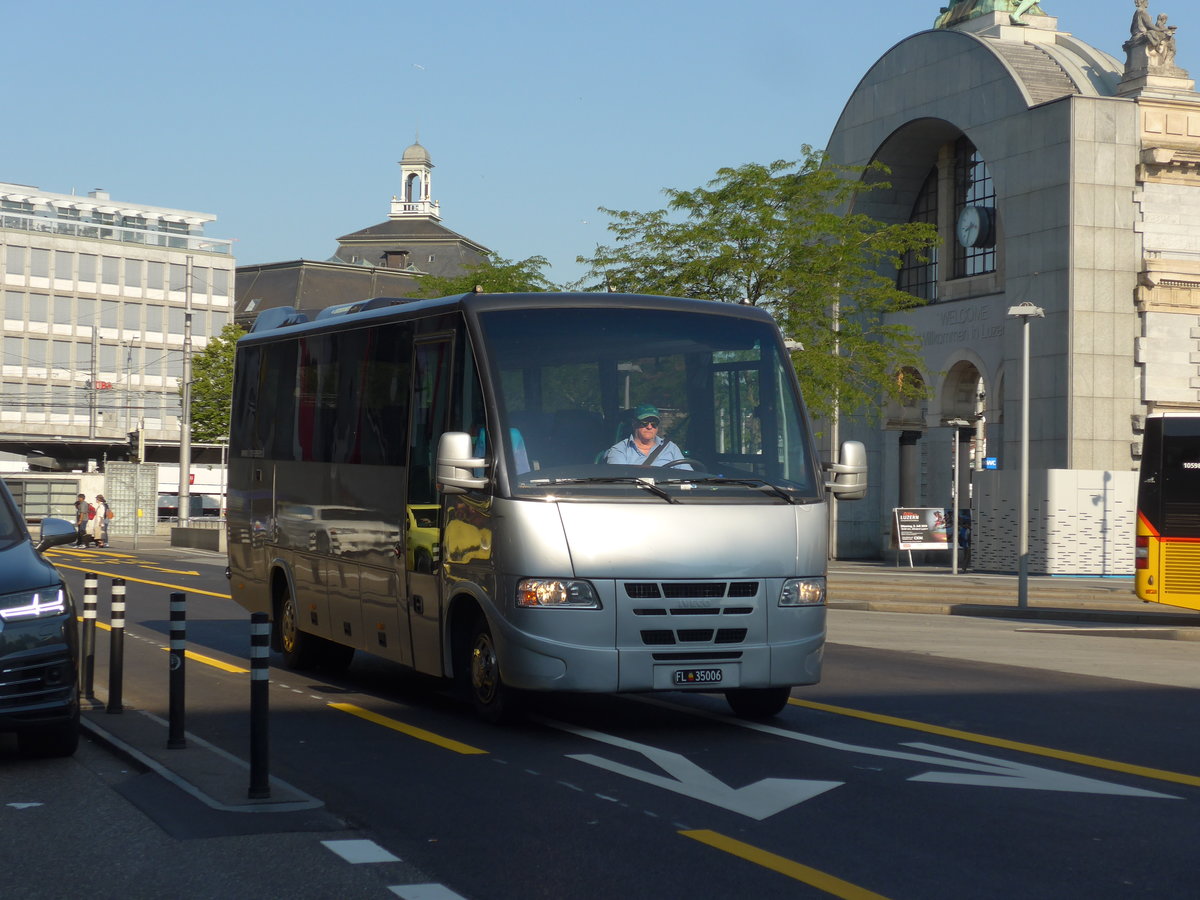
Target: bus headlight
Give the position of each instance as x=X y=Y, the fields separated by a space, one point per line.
x=33 y=604
x=803 y=592
x=553 y=593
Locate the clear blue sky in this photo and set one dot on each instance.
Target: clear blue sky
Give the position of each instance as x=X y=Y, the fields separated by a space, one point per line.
x=287 y=120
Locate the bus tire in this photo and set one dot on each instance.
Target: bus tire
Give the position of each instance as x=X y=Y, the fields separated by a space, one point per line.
x=494 y=701
x=758 y=703
x=300 y=650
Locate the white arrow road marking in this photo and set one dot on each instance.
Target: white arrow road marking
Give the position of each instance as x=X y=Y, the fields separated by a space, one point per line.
x=1018 y=775
x=995 y=772
x=22 y=805
x=758 y=801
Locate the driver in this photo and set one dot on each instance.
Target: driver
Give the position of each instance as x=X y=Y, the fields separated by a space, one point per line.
x=644 y=446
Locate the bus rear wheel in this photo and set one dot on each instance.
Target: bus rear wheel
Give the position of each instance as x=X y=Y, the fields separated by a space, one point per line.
x=758 y=703
x=300 y=650
x=494 y=701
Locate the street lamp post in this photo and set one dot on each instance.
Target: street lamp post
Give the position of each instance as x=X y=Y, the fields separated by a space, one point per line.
x=955 y=424
x=185 y=418
x=1024 y=311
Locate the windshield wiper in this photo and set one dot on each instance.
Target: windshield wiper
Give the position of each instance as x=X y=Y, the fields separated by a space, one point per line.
x=647 y=483
x=758 y=483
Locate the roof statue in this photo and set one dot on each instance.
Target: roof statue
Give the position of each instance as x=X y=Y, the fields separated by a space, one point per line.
x=1151 y=45
x=964 y=10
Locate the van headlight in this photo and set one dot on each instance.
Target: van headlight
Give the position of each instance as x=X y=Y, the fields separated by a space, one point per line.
x=554 y=593
x=803 y=592
x=33 y=604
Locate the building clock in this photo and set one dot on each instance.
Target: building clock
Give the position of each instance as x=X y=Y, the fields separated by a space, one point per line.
x=974 y=227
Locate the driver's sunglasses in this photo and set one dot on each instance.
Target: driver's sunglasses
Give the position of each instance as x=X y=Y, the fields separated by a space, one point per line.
x=648 y=423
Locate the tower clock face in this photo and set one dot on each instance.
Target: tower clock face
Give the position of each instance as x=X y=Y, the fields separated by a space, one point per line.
x=974 y=227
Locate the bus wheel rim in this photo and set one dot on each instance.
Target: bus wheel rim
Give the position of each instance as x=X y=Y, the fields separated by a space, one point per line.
x=288 y=626
x=484 y=670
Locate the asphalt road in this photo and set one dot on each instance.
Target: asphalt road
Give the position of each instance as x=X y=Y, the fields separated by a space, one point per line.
x=940 y=757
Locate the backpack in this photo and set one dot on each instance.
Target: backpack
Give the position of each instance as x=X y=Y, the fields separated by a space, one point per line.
x=108 y=513
x=91 y=512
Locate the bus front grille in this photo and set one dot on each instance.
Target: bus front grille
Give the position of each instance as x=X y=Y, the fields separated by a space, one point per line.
x=690 y=590
x=659 y=637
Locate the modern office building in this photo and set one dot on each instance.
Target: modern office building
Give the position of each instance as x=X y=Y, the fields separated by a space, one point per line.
x=387 y=259
x=1058 y=175
x=96 y=295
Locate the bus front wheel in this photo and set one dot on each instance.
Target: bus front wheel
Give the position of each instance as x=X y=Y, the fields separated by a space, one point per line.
x=758 y=703
x=494 y=701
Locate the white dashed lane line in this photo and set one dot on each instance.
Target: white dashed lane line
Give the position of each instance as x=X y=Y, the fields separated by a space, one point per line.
x=357 y=852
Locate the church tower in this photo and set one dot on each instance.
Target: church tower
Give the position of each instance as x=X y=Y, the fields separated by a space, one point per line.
x=416 y=172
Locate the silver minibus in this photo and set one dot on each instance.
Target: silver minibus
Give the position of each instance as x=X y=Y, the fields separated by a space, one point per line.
x=535 y=492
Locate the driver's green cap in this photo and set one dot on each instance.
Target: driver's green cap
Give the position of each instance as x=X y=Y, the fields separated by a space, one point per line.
x=646 y=411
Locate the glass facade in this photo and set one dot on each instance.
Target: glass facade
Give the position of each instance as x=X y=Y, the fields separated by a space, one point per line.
x=86 y=350
x=919 y=272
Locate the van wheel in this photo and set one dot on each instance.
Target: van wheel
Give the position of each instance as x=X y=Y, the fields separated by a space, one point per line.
x=494 y=701
x=300 y=650
x=758 y=703
x=51 y=740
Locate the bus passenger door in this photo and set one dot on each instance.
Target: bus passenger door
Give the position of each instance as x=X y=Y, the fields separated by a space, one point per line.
x=431 y=379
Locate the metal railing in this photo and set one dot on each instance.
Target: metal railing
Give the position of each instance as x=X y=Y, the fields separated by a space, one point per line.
x=120 y=233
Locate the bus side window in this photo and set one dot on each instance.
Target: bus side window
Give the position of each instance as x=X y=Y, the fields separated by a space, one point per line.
x=429 y=401
x=385 y=395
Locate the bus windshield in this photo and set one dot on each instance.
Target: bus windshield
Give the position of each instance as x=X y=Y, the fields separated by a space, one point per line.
x=585 y=396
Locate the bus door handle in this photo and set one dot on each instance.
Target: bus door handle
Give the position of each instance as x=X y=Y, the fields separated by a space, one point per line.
x=418 y=604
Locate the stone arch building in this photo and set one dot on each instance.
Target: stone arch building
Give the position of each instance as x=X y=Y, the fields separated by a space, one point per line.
x=1058 y=175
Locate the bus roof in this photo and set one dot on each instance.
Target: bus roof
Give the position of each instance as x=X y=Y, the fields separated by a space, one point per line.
x=279 y=321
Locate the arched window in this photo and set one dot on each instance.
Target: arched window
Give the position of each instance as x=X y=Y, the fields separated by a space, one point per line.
x=412 y=189
x=974 y=212
x=919 y=271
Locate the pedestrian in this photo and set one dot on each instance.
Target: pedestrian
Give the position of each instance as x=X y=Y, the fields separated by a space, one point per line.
x=99 y=527
x=81 y=521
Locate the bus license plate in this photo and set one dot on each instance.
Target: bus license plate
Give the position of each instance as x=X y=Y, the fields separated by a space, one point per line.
x=698 y=676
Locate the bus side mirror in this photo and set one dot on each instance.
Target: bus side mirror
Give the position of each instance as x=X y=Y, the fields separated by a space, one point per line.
x=455 y=464
x=849 y=480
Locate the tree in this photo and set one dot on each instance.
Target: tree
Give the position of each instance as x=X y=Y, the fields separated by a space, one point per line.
x=495 y=276
x=212 y=385
x=782 y=236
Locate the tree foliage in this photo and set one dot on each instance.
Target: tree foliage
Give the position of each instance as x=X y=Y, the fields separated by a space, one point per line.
x=212 y=385
x=495 y=275
x=784 y=236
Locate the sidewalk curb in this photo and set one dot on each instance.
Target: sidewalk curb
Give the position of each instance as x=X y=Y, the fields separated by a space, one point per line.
x=1031 y=613
x=205 y=763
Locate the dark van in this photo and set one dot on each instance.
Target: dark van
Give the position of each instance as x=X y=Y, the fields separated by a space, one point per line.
x=39 y=643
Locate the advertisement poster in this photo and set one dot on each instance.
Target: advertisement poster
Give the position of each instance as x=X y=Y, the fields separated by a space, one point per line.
x=922 y=529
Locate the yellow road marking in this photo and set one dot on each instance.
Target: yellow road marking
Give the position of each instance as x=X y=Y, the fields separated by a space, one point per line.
x=1065 y=755
x=176 y=587
x=830 y=884
x=165 y=571
x=190 y=654
x=211 y=661
x=88 y=554
x=405 y=728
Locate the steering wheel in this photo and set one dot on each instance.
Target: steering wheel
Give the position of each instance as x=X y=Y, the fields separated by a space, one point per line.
x=686 y=461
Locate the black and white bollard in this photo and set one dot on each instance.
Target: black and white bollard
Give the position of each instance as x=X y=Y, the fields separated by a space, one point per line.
x=87 y=665
x=260 y=683
x=116 y=646
x=177 y=656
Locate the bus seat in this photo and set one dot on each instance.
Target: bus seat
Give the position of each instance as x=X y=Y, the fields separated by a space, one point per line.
x=520 y=452
x=533 y=426
x=576 y=436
